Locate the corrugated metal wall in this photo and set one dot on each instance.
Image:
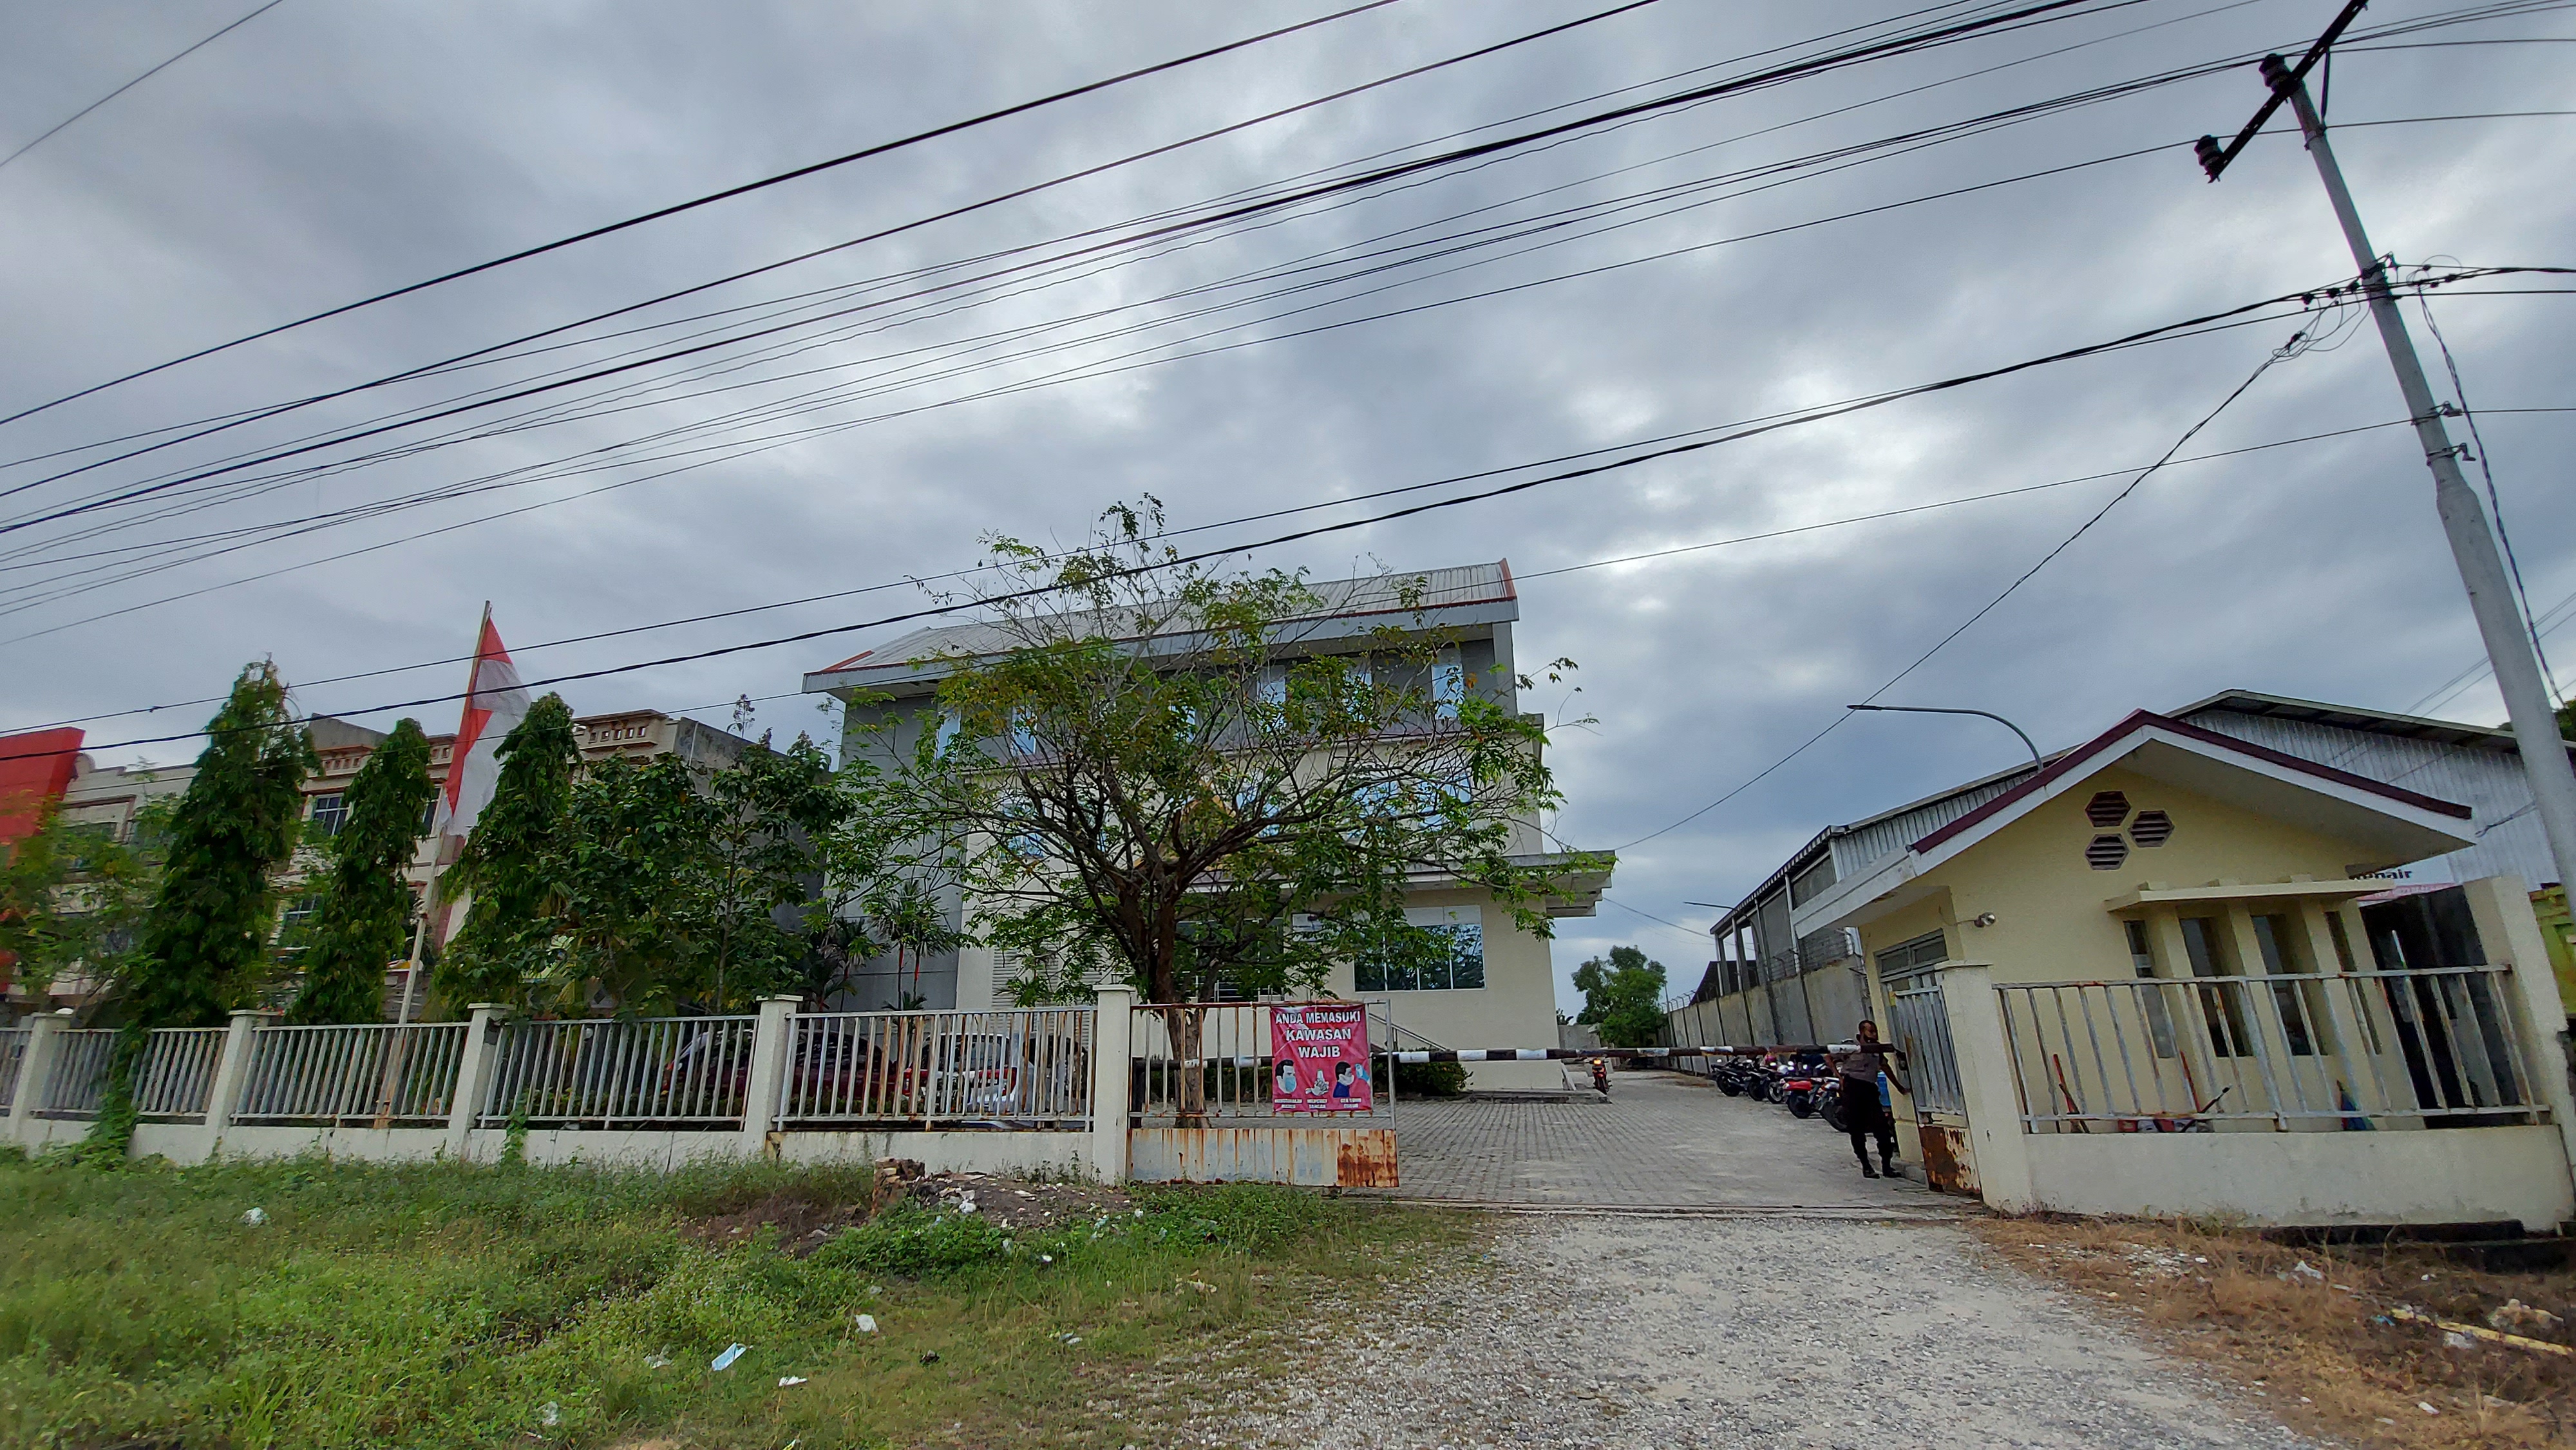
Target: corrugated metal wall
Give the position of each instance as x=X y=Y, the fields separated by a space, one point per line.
x=2490 y=782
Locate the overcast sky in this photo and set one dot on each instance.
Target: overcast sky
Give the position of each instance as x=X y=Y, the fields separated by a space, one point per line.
x=323 y=152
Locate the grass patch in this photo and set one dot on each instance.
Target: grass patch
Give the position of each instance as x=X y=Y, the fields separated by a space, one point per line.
x=2319 y=1345
x=439 y=1305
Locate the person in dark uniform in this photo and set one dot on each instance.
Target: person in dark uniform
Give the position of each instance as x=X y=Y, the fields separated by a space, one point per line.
x=1864 y=1115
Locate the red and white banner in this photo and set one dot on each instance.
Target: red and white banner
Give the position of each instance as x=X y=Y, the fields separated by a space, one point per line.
x=1319 y=1057
x=495 y=701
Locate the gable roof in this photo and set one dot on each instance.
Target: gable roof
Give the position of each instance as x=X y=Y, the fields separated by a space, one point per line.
x=1464 y=594
x=2385 y=820
x=2072 y=763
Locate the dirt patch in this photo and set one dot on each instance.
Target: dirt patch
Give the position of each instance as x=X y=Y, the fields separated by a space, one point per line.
x=1013 y=1204
x=804 y=1220
x=2338 y=1340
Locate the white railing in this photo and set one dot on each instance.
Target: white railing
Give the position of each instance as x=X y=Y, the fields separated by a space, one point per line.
x=13 y=1056
x=609 y=1073
x=176 y=1073
x=78 y=1081
x=1027 y=1068
x=348 y=1074
x=1212 y=1060
x=2354 y=1050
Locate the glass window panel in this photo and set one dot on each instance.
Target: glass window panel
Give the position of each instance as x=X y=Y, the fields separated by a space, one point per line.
x=2142 y=958
x=1467 y=955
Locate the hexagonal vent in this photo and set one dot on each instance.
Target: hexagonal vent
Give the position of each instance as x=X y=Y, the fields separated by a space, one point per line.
x=2106 y=853
x=2151 y=829
x=2107 y=809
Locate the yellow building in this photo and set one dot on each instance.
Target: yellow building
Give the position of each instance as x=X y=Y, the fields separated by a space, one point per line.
x=2141 y=980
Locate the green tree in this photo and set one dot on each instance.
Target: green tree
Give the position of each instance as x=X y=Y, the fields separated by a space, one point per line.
x=1623 y=998
x=632 y=918
x=1150 y=780
x=204 y=941
x=508 y=865
x=73 y=898
x=773 y=810
x=363 y=910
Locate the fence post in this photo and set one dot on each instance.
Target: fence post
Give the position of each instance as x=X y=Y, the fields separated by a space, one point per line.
x=473 y=1078
x=1988 y=1082
x=771 y=1042
x=33 y=1069
x=1112 y=1042
x=2501 y=908
x=232 y=1076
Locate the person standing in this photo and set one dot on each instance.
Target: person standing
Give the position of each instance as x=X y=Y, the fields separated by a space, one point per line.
x=1865 y=1114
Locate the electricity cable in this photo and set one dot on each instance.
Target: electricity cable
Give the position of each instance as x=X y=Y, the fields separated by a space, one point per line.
x=66 y=122
x=711 y=198
x=2243 y=314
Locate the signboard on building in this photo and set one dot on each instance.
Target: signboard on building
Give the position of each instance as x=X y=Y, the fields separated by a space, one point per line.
x=1319 y=1057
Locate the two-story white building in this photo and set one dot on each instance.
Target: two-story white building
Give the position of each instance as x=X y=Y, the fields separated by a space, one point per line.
x=1498 y=989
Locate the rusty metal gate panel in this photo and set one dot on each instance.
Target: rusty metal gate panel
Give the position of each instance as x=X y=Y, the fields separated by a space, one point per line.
x=1311 y=1157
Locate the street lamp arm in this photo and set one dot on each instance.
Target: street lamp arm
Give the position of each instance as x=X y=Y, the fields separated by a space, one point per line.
x=2035 y=761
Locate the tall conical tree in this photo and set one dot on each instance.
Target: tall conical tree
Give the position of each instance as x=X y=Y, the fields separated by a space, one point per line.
x=362 y=917
x=508 y=934
x=205 y=942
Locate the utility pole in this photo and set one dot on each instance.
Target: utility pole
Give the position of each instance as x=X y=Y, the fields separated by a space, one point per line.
x=2464 y=519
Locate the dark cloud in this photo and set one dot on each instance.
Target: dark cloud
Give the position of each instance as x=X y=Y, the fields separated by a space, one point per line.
x=324 y=152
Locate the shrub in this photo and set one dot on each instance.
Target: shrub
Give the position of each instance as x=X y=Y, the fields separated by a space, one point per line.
x=915 y=1243
x=1430 y=1079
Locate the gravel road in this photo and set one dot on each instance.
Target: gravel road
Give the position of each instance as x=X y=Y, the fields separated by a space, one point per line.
x=1788 y=1332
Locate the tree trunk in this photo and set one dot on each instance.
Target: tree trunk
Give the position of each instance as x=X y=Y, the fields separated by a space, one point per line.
x=1186 y=1024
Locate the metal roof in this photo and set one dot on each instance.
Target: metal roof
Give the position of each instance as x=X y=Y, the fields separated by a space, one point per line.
x=2375 y=722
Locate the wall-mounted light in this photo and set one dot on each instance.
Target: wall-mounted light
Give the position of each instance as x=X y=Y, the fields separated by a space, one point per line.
x=1984 y=918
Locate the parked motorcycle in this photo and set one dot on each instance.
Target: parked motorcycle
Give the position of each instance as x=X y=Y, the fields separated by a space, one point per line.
x=1829 y=1104
x=1798 y=1095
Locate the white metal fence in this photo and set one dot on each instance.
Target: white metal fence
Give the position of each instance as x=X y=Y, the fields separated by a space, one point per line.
x=1212 y=1061
x=13 y=1055
x=2357 y=1050
x=659 y=1071
x=1028 y=1068
x=79 y=1076
x=348 y=1074
x=176 y=1073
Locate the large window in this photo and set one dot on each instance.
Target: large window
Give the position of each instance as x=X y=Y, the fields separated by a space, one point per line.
x=2142 y=960
x=2203 y=940
x=1460 y=967
x=1910 y=958
x=330 y=813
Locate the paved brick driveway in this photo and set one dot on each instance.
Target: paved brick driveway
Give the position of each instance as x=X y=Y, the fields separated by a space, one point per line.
x=1663 y=1141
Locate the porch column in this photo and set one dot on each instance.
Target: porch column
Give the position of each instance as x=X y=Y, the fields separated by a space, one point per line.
x=473 y=1077
x=2501 y=907
x=770 y=1048
x=1989 y=1082
x=1112 y=1042
x=33 y=1068
x=232 y=1075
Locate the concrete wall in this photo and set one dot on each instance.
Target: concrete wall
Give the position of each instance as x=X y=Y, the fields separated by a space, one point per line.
x=2463 y=1176
x=1054 y=1155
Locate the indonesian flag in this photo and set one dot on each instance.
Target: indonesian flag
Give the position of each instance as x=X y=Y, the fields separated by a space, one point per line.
x=494 y=702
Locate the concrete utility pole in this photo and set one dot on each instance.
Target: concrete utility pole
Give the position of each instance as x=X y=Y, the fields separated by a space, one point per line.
x=2464 y=519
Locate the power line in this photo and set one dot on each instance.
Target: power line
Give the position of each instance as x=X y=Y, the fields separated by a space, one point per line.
x=2239 y=316
x=2023 y=17
x=711 y=198
x=2288 y=350
x=138 y=80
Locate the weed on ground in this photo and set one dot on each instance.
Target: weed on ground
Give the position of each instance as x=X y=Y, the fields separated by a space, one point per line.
x=2336 y=1340
x=439 y=1305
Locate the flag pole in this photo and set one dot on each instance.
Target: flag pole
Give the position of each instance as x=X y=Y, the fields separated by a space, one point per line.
x=396 y=1057
x=429 y=893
